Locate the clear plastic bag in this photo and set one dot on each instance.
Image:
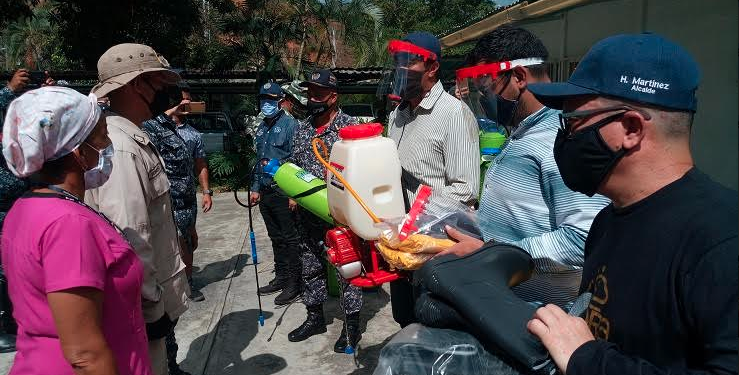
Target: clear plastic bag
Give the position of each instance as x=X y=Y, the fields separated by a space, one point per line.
x=421 y=350
x=407 y=243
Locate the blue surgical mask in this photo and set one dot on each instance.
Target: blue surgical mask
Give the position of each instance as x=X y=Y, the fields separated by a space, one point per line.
x=98 y=175
x=269 y=107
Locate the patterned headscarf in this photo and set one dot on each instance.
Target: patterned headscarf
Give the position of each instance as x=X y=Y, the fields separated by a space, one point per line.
x=46 y=124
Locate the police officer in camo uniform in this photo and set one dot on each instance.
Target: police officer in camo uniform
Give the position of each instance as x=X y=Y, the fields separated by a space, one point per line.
x=179 y=166
x=324 y=121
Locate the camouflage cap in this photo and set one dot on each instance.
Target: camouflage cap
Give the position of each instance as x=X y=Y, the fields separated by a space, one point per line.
x=294 y=90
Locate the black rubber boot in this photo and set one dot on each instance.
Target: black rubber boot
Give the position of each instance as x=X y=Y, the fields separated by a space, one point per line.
x=352 y=327
x=290 y=293
x=172 y=347
x=314 y=324
x=274 y=286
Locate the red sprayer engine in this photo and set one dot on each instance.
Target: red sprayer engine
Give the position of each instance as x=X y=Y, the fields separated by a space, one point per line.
x=357 y=261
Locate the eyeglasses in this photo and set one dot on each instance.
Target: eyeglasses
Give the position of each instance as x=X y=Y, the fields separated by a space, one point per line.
x=567 y=120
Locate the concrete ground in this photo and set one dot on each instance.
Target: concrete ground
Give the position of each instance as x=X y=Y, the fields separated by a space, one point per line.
x=222 y=336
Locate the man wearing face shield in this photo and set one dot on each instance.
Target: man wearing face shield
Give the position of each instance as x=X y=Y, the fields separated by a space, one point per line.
x=324 y=122
x=437 y=140
x=524 y=201
x=274 y=141
x=137 y=195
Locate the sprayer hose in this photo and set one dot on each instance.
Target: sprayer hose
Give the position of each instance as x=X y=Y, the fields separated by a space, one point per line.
x=322 y=159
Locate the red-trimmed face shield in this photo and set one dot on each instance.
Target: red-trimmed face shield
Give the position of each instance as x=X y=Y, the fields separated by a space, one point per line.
x=410 y=64
x=480 y=88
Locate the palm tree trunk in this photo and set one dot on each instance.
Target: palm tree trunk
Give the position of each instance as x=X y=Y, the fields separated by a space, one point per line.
x=333 y=46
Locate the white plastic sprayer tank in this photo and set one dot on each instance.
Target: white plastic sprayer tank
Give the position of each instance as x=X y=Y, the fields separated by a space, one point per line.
x=369 y=163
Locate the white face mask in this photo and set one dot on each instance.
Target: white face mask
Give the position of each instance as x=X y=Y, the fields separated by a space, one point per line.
x=97 y=176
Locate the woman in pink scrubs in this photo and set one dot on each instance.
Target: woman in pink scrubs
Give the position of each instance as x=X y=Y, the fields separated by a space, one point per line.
x=74 y=280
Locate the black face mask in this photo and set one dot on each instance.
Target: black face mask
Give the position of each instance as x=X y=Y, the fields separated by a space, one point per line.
x=316 y=109
x=584 y=159
x=413 y=88
x=499 y=109
x=163 y=100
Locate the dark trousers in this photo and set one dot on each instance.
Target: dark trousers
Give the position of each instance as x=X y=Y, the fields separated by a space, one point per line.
x=280 y=222
x=403 y=299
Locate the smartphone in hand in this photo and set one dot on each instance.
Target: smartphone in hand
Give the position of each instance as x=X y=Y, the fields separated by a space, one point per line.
x=37 y=77
x=194 y=107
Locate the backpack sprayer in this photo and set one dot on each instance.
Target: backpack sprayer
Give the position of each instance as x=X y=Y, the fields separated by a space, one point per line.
x=362 y=159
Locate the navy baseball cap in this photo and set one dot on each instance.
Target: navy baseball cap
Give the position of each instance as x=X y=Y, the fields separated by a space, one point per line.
x=271 y=89
x=426 y=41
x=322 y=78
x=644 y=68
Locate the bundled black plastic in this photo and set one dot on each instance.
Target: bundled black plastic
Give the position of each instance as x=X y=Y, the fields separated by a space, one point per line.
x=472 y=293
x=418 y=349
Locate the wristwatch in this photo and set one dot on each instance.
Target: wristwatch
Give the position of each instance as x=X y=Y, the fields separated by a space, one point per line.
x=209 y=192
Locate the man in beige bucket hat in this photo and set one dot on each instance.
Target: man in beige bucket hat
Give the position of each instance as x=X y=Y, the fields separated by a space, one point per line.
x=136 y=196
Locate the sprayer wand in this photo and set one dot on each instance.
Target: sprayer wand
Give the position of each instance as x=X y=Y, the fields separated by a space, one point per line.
x=253 y=241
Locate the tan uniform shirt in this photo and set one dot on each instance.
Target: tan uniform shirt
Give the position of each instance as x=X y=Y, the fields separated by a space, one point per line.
x=136 y=197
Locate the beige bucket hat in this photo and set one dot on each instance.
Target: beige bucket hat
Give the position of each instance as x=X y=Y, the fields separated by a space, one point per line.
x=123 y=62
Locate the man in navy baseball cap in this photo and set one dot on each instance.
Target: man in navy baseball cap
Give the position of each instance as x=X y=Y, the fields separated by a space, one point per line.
x=644 y=68
x=322 y=78
x=660 y=260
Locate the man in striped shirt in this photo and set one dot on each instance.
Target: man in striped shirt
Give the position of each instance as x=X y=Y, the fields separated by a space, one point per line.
x=437 y=140
x=524 y=201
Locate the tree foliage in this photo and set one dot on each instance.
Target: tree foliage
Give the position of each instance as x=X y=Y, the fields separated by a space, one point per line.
x=272 y=36
x=90 y=27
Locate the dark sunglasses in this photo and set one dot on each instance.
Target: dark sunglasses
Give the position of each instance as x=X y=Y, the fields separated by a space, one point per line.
x=567 y=120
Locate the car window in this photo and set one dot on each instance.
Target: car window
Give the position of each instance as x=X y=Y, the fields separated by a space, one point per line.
x=209 y=123
x=362 y=110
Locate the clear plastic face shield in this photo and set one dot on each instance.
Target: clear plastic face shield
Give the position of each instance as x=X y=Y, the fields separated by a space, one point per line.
x=480 y=88
x=404 y=82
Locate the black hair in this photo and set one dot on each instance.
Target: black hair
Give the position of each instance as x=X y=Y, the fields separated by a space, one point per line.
x=507 y=43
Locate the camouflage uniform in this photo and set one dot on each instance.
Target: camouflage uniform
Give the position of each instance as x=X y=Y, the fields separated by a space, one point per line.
x=179 y=166
x=194 y=142
x=313 y=229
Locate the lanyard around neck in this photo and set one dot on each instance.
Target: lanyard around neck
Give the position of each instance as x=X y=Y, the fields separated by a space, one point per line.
x=64 y=194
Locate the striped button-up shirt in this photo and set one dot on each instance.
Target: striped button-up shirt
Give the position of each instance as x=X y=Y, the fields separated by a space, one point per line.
x=438 y=145
x=526 y=203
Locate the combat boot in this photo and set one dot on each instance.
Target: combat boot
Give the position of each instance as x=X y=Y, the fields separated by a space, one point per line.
x=352 y=328
x=314 y=324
